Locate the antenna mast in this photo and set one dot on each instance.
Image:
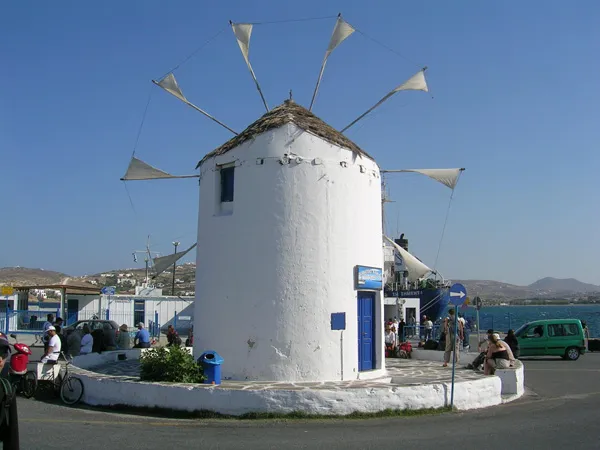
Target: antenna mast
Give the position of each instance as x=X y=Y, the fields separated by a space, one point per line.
x=147 y=259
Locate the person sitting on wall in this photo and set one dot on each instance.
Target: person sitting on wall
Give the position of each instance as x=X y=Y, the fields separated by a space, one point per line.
x=497 y=356
x=87 y=341
x=390 y=342
x=74 y=342
x=142 y=337
x=110 y=337
x=124 y=340
x=173 y=337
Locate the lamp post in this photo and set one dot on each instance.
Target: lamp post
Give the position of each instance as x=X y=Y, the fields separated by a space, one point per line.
x=175 y=244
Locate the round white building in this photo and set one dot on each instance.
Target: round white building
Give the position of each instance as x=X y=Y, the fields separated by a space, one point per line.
x=288 y=283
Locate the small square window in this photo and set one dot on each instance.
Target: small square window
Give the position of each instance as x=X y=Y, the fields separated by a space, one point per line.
x=227 y=177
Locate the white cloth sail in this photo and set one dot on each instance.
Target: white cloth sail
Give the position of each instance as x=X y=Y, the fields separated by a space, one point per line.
x=448 y=177
x=139 y=170
x=169 y=84
x=341 y=31
x=243 y=32
x=416 y=83
x=162 y=263
x=416 y=269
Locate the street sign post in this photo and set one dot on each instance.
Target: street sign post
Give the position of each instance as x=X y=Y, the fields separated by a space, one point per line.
x=478 y=304
x=108 y=290
x=458 y=295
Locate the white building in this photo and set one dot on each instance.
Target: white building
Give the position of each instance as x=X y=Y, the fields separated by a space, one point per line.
x=290 y=213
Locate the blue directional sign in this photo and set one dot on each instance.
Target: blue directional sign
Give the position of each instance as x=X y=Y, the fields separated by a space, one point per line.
x=458 y=294
x=108 y=290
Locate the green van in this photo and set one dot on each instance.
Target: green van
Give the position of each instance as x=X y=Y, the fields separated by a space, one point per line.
x=559 y=337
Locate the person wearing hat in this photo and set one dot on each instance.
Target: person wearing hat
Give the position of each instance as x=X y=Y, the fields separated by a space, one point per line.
x=497 y=355
x=54 y=346
x=9 y=424
x=142 y=337
x=123 y=340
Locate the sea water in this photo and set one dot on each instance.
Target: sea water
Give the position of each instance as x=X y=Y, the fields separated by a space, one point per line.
x=503 y=318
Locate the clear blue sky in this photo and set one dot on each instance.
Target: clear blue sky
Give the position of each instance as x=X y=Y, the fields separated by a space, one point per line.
x=516 y=94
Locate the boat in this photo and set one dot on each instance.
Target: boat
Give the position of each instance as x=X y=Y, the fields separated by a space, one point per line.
x=411 y=286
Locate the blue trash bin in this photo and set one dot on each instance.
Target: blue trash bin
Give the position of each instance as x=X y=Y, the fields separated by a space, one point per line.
x=211 y=363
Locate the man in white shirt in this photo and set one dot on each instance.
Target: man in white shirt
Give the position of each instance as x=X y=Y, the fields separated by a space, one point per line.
x=390 y=341
x=428 y=324
x=54 y=346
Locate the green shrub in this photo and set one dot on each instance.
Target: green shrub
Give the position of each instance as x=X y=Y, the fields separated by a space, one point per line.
x=174 y=364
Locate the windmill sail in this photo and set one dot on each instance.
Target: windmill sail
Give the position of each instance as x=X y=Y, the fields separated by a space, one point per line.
x=341 y=31
x=416 y=269
x=162 y=263
x=139 y=170
x=448 y=177
x=415 y=83
x=242 y=32
x=170 y=85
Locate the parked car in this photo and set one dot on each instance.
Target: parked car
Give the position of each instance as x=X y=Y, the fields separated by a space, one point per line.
x=93 y=324
x=559 y=337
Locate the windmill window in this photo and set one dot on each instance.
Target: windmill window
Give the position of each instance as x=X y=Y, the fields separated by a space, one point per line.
x=227 y=183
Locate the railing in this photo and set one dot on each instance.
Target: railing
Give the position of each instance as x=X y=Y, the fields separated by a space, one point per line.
x=24 y=321
x=32 y=322
x=420 y=332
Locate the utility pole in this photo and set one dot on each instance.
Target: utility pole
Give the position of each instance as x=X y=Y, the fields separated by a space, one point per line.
x=175 y=244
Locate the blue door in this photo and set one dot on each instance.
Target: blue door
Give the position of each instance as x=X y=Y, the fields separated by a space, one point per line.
x=366 y=324
x=139 y=311
x=72 y=311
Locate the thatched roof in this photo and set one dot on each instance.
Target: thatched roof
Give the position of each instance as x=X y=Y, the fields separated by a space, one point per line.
x=288 y=111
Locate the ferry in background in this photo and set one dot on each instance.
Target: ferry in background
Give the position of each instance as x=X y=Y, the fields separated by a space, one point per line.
x=412 y=289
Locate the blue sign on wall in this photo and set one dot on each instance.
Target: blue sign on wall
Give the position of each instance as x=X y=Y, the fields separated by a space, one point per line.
x=368 y=277
x=108 y=290
x=338 y=321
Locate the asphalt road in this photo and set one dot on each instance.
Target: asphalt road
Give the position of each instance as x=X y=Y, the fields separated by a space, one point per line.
x=560 y=410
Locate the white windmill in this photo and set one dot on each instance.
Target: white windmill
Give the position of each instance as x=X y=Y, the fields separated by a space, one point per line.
x=289 y=241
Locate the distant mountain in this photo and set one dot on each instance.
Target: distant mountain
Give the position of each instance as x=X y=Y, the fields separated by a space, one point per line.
x=23 y=276
x=563 y=285
x=544 y=288
x=186 y=275
x=496 y=289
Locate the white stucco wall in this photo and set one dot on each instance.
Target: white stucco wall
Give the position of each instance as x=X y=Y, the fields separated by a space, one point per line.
x=272 y=269
x=89 y=304
x=121 y=309
x=110 y=390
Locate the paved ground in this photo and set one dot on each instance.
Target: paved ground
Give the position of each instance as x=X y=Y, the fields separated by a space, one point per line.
x=561 y=411
x=403 y=372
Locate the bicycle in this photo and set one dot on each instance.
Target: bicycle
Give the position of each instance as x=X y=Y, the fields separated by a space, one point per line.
x=69 y=387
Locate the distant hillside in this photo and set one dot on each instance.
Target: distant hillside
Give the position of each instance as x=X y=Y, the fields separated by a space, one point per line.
x=544 y=288
x=23 y=276
x=126 y=279
x=496 y=289
x=563 y=285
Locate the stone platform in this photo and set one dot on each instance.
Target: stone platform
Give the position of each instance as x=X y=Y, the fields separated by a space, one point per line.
x=400 y=372
x=408 y=384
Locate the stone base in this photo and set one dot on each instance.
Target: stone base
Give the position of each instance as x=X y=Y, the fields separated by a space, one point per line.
x=408 y=384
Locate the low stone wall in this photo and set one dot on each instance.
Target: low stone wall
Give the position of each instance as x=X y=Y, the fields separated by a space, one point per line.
x=512 y=379
x=107 y=390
